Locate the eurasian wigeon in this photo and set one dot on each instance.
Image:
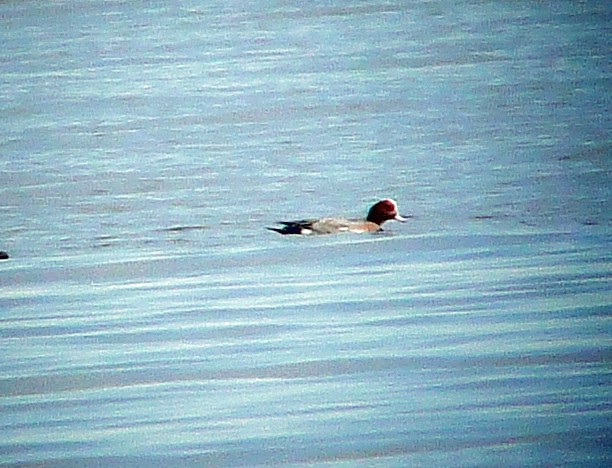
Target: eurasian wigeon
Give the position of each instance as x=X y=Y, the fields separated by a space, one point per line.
x=382 y=211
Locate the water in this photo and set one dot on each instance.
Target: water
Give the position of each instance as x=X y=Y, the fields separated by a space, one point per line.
x=148 y=318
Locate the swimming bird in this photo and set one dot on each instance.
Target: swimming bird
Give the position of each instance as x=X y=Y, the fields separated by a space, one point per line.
x=382 y=211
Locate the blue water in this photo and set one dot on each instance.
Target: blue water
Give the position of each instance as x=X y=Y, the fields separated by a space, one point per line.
x=147 y=318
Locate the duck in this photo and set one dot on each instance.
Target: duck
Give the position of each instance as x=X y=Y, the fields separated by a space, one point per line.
x=382 y=211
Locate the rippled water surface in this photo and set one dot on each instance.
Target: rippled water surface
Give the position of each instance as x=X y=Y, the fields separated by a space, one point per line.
x=147 y=318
